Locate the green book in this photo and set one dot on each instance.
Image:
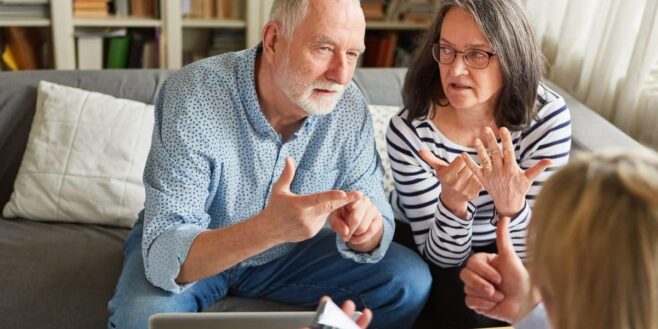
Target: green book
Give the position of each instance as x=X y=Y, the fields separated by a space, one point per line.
x=117 y=52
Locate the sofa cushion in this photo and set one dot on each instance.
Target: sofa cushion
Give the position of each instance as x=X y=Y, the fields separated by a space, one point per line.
x=381 y=116
x=84 y=159
x=57 y=275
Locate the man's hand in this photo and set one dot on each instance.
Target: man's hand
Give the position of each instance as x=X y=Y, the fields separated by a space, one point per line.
x=358 y=223
x=498 y=286
x=295 y=218
x=459 y=185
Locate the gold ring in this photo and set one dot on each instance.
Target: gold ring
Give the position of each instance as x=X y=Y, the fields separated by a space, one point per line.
x=486 y=165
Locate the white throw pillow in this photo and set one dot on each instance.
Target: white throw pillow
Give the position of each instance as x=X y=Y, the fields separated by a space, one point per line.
x=84 y=159
x=381 y=116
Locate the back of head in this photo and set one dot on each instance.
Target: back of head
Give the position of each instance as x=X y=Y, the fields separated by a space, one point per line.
x=594 y=242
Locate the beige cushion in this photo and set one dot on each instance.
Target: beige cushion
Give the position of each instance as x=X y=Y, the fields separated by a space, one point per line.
x=84 y=159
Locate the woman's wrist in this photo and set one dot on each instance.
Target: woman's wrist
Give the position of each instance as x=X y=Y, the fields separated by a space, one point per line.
x=459 y=208
x=512 y=212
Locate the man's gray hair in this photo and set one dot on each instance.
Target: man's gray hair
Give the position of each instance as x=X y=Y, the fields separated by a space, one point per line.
x=289 y=13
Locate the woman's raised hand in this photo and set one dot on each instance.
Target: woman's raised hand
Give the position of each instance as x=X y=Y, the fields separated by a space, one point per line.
x=458 y=183
x=499 y=173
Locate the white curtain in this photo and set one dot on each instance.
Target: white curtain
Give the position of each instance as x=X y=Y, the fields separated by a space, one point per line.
x=605 y=53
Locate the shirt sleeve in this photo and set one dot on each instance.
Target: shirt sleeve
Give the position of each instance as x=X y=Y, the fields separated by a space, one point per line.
x=547 y=138
x=176 y=179
x=441 y=236
x=537 y=319
x=366 y=174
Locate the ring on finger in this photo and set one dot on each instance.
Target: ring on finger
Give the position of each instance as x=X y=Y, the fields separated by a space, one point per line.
x=486 y=164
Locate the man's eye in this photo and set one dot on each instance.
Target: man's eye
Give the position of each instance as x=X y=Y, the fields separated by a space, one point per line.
x=352 y=54
x=325 y=49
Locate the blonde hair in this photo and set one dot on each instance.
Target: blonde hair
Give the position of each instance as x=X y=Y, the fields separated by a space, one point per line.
x=594 y=243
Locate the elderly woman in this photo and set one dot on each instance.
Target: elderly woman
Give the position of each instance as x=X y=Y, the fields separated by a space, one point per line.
x=594 y=250
x=473 y=142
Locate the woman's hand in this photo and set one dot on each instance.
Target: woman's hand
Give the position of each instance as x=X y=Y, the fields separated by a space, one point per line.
x=458 y=183
x=499 y=173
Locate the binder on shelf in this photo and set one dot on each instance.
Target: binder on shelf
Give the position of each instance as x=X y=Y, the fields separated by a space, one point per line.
x=117 y=52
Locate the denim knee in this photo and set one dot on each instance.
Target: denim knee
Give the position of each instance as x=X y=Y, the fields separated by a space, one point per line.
x=408 y=275
x=134 y=312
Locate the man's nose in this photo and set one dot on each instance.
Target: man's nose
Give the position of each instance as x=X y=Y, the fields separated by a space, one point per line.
x=340 y=70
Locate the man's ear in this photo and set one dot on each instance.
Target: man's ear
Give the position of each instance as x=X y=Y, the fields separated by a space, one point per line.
x=271 y=40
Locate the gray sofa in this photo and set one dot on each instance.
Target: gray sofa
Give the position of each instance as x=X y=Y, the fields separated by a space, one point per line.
x=59 y=275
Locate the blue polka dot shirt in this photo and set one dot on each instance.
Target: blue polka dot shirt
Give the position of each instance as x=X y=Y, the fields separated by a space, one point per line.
x=214 y=159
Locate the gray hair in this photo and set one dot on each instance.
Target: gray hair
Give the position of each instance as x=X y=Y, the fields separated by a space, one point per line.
x=289 y=13
x=506 y=26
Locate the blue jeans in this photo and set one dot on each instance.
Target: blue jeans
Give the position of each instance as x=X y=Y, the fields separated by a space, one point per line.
x=395 y=288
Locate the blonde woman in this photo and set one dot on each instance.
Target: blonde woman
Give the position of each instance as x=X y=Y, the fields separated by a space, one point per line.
x=593 y=244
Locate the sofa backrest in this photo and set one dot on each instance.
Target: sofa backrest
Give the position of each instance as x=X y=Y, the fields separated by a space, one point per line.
x=380 y=86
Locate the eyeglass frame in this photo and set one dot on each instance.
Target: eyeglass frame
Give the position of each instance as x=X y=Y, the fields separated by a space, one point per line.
x=436 y=57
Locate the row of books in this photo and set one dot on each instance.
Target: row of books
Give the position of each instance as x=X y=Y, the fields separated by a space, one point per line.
x=213 y=9
x=25 y=49
x=389 y=49
x=217 y=41
x=117 y=48
x=24 y=9
x=413 y=11
x=119 y=8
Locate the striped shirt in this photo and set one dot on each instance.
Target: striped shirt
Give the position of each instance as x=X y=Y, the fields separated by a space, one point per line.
x=441 y=236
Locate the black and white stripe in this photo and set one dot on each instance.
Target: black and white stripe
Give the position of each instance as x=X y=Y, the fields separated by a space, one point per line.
x=441 y=236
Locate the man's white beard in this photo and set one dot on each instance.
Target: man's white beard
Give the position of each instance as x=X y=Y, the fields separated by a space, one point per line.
x=302 y=93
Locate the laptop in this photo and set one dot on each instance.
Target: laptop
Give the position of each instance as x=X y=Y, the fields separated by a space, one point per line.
x=232 y=320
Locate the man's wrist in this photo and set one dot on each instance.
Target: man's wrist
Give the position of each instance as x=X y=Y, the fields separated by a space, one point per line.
x=369 y=245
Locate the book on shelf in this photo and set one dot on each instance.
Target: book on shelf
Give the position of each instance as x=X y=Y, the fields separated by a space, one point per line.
x=24 y=10
x=22 y=48
x=91 y=8
x=144 y=8
x=121 y=8
x=116 y=56
x=212 y=9
x=373 y=10
x=380 y=49
x=90 y=46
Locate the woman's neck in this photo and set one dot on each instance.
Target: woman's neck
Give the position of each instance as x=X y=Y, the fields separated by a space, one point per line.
x=462 y=126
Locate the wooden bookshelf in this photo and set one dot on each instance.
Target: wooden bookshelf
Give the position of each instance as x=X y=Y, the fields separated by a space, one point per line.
x=29 y=22
x=117 y=22
x=171 y=26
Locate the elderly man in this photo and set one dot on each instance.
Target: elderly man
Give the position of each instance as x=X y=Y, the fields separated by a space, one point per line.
x=252 y=153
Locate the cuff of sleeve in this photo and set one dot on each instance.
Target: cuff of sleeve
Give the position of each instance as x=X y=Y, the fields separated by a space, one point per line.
x=376 y=254
x=522 y=214
x=471 y=210
x=537 y=319
x=167 y=253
